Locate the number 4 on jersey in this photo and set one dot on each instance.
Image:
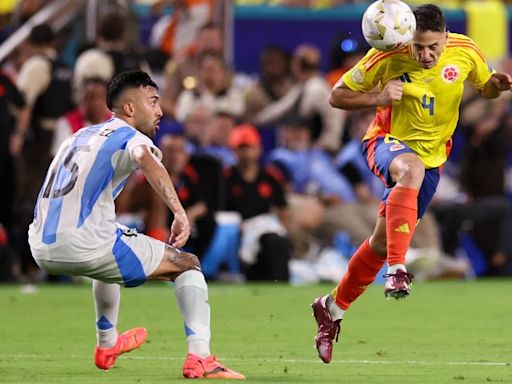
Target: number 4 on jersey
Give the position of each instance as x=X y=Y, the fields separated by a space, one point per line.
x=428 y=103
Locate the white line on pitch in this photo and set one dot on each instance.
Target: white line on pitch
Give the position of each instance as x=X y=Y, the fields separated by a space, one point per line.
x=300 y=361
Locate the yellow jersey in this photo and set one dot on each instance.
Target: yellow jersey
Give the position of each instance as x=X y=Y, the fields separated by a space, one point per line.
x=426 y=116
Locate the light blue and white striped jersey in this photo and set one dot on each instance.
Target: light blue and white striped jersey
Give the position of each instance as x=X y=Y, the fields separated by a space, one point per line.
x=76 y=202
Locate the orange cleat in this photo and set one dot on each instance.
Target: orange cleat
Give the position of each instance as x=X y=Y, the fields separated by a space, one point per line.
x=208 y=368
x=105 y=358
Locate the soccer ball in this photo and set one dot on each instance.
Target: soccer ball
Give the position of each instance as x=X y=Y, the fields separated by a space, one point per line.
x=388 y=24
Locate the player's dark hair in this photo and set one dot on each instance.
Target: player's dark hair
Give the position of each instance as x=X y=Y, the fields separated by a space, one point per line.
x=127 y=80
x=429 y=17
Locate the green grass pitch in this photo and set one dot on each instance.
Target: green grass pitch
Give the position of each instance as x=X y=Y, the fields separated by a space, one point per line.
x=446 y=332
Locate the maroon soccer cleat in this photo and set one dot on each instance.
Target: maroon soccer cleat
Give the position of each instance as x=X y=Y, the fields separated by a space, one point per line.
x=398 y=284
x=328 y=330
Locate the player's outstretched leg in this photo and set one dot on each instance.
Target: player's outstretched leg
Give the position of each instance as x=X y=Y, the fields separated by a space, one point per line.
x=105 y=358
x=196 y=367
x=329 y=310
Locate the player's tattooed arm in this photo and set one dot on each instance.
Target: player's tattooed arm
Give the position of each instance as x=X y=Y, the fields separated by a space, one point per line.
x=160 y=181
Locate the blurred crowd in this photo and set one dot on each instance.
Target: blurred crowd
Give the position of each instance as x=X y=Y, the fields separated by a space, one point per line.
x=335 y=3
x=272 y=178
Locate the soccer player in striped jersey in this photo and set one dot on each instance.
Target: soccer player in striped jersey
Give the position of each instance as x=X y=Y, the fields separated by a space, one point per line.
x=416 y=91
x=74 y=230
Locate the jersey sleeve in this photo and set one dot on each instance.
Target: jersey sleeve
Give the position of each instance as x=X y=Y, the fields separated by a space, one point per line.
x=364 y=76
x=141 y=139
x=481 y=70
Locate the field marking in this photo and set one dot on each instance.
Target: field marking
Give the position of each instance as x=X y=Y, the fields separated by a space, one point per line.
x=299 y=361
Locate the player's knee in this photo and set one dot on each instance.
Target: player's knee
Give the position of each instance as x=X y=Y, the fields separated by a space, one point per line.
x=188 y=261
x=181 y=262
x=411 y=173
x=378 y=244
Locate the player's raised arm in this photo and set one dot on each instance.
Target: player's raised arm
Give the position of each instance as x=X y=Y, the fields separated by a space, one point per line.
x=159 y=179
x=497 y=83
x=344 y=98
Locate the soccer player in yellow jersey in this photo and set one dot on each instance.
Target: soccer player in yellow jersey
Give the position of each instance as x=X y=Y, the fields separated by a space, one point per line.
x=417 y=91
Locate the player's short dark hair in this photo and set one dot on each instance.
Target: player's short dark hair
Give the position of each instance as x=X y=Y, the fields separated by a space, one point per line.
x=429 y=17
x=127 y=80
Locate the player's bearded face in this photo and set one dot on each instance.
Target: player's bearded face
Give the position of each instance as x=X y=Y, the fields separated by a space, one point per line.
x=149 y=112
x=428 y=47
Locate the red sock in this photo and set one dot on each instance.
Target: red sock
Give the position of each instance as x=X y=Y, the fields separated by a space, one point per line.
x=401 y=218
x=362 y=269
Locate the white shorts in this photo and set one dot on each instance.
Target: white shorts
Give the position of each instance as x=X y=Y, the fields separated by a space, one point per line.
x=132 y=258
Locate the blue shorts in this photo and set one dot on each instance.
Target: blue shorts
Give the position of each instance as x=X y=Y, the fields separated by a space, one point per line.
x=379 y=151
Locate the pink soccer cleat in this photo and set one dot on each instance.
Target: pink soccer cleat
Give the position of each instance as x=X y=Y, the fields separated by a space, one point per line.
x=328 y=330
x=196 y=367
x=105 y=358
x=398 y=284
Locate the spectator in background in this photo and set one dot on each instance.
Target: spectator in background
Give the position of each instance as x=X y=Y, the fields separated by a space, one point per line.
x=207 y=132
x=92 y=110
x=351 y=163
x=25 y=9
x=190 y=189
x=214 y=88
x=174 y=36
x=45 y=83
x=111 y=55
x=309 y=169
x=481 y=209
x=133 y=205
x=310 y=172
x=195 y=127
x=13 y=128
x=275 y=81
x=309 y=99
x=344 y=54
x=181 y=74
x=219 y=130
x=260 y=199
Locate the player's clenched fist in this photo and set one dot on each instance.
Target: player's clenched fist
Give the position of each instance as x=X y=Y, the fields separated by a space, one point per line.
x=502 y=81
x=392 y=91
x=180 y=230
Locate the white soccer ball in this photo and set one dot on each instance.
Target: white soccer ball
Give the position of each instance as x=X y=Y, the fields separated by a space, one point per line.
x=388 y=24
